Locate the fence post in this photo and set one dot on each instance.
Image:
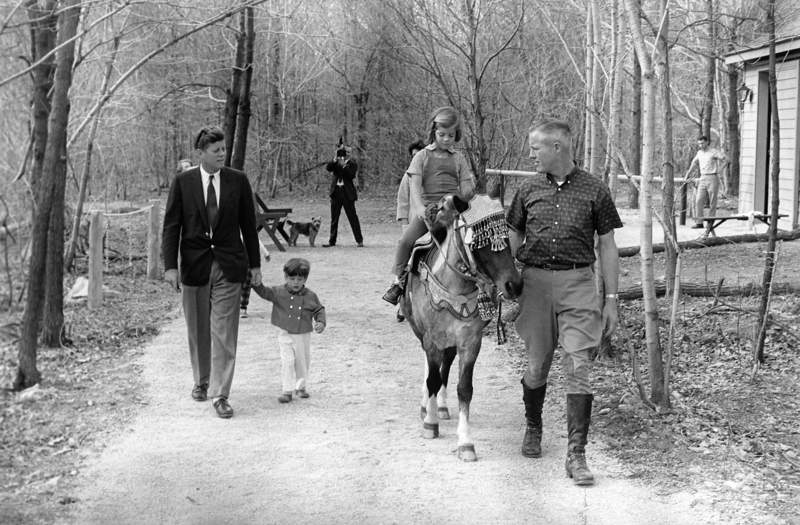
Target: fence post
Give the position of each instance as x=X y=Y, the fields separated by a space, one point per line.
x=96 y=231
x=153 y=246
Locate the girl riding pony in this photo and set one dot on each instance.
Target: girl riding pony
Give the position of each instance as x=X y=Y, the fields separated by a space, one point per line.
x=435 y=171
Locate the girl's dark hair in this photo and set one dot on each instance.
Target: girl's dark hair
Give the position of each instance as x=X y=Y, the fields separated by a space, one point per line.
x=417 y=144
x=444 y=117
x=297 y=267
x=208 y=135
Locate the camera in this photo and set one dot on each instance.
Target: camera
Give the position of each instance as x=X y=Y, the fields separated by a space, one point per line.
x=341 y=152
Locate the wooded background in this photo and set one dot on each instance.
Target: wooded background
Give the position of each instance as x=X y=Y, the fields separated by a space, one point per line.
x=371 y=70
x=100 y=99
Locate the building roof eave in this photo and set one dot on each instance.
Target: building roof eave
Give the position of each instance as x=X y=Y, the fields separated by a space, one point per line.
x=754 y=54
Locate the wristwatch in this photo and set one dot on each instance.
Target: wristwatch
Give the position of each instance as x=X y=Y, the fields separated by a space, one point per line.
x=612 y=296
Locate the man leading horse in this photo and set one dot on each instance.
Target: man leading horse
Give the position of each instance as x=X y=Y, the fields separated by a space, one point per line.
x=553 y=218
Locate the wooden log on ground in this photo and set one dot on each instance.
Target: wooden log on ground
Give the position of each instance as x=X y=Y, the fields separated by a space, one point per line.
x=710 y=290
x=716 y=241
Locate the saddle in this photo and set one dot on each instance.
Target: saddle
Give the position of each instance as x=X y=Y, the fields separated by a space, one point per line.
x=422 y=247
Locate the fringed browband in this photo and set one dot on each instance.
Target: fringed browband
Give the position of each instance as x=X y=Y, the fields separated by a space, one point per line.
x=487 y=220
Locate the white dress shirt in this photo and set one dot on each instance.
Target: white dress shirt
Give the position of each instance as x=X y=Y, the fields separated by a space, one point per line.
x=206 y=178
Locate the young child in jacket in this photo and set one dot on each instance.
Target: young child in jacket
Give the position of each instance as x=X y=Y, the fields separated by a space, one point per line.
x=296 y=310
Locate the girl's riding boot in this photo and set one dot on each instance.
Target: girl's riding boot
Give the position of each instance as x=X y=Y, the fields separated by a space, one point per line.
x=534 y=400
x=579 y=414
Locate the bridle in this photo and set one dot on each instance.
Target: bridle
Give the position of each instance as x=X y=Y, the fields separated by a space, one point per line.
x=474 y=231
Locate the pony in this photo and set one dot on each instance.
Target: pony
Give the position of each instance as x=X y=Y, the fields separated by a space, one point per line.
x=449 y=299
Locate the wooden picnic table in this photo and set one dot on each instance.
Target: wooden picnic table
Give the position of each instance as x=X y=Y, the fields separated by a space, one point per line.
x=713 y=222
x=272 y=221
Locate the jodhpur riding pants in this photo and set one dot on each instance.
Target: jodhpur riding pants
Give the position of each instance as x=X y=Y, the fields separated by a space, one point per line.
x=559 y=306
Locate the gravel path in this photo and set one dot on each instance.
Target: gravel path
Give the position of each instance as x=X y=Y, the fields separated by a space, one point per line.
x=353 y=452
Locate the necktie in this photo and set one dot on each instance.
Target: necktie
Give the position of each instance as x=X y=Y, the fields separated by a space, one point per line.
x=211 y=202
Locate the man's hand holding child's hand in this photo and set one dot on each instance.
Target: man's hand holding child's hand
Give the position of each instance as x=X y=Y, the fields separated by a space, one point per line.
x=318 y=327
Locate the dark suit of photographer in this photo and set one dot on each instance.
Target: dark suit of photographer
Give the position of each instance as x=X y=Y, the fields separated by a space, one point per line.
x=343 y=194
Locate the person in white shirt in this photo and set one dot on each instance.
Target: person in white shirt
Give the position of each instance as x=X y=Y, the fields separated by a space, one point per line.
x=710 y=162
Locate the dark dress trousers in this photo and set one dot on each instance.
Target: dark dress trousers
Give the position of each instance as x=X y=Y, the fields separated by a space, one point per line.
x=344 y=195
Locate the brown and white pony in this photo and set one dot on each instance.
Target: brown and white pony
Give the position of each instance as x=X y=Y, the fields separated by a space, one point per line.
x=450 y=297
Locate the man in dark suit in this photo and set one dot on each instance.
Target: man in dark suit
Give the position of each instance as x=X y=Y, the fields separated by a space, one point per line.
x=343 y=194
x=210 y=220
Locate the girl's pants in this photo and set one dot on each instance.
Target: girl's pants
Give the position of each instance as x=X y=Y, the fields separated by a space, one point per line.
x=416 y=229
x=295 y=358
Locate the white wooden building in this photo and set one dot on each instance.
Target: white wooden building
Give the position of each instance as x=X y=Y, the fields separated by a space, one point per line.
x=756 y=120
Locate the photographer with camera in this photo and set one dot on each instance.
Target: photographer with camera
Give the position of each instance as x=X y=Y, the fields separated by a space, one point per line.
x=343 y=193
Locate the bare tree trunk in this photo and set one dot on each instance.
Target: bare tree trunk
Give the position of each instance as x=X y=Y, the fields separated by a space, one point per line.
x=769 y=263
x=27 y=373
x=668 y=158
x=594 y=128
x=245 y=112
x=232 y=100
x=711 y=68
x=43 y=19
x=276 y=103
x=734 y=144
x=587 y=120
x=361 y=101
x=615 y=114
x=87 y=173
x=657 y=390
x=53 y=325
x=636 y=125
x=475 y=99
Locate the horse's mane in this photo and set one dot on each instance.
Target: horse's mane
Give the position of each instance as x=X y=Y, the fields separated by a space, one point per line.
x=443 y=219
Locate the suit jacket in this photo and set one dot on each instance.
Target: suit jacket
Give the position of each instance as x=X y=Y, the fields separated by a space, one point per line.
x=347 y=174
x=186 y=228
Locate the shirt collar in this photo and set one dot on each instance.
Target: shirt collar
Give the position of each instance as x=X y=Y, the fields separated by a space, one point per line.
x=432 y=147
x=575 y=169
x=205 y=175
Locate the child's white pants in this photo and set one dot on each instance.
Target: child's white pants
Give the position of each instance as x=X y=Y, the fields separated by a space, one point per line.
x=295 y=358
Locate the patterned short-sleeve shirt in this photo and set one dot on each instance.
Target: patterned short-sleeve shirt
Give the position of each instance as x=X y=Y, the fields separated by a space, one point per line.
x=559 y=222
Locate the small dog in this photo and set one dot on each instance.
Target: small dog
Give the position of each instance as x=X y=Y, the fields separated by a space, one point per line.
x=309 y=229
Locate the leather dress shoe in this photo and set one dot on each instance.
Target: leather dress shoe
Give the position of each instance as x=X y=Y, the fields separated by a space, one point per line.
x=223 y=409
x=200 y=392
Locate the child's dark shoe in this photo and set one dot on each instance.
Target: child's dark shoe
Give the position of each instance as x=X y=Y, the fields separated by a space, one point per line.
x=393 y=294
x=302 y=393
x=285 y=397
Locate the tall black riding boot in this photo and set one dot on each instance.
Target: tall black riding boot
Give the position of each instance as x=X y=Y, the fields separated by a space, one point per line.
x=579 y=415
x=534 y=399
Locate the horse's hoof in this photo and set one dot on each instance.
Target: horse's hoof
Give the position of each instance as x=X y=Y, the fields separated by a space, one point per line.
x=430 y=431
x=467 y=453
x=422 y=413
x=444 y=413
